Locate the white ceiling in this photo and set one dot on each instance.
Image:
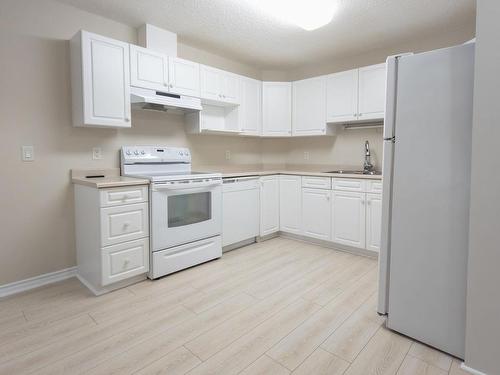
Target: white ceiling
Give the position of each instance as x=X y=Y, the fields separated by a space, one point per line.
x=237 y=30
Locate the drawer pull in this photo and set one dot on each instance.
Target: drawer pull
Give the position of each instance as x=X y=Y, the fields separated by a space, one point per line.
x=126 y=262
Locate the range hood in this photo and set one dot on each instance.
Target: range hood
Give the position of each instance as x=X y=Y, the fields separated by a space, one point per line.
x=153 y=100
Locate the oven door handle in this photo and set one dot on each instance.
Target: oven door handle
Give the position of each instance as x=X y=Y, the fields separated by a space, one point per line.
x=192 y=185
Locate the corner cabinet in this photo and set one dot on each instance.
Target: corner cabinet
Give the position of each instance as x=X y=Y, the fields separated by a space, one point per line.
x=100 y=80
x=309 y=106
x=269 y=205
x=276 y=109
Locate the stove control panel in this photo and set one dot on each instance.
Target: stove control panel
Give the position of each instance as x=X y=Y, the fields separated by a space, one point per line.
x=155 y=154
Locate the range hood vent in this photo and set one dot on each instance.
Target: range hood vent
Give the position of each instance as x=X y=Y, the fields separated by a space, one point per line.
x=153 y=100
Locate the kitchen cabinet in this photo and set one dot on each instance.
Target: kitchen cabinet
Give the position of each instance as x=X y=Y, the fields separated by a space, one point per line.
x=348 y=218
x=316 y=213
x=100 y=81
x=290 y=206
x=342 y=96
x=269 y=205
x=372 y=92
x=276 y=109
x=219 y=86
x=250 y=110
x=309 y=106
x=156 y=71
x=240 y=209
x=373 y=221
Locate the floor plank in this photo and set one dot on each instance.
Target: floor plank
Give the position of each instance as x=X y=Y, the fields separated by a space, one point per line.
x=320 y=362
x=265 y=366
x=431 y=356
x=415 y=366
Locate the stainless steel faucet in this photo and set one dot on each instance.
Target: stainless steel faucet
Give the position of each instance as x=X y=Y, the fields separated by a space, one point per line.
x=367 y=165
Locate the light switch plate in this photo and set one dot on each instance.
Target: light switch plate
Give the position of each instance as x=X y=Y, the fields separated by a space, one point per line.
x=27 y=153
x=97 y=153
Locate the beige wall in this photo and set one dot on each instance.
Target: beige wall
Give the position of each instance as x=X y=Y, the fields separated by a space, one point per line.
x=483 y=295
x=36 y=198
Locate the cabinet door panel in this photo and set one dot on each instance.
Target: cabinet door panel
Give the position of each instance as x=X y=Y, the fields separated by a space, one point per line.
x=184 y=77
x=316 y=213
x=269 y=205
x=148 y=69
x=230 y=88
x=373 y=221
x=210 y=82
x=290 y=204
x=342 y=96
x=277 y=108
x=309 y=106
x=348 y=218
x=251 y=106
x=372 y=92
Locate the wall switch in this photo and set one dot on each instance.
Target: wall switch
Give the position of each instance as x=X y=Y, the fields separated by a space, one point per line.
x=97 y=153
x=28 y=153
x=228 y=155
x=306 y=155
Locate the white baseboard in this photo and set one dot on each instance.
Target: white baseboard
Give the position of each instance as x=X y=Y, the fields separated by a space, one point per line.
x=471 y=370
x=37 y=281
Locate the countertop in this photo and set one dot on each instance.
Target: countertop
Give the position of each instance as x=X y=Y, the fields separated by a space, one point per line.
x=111 y=178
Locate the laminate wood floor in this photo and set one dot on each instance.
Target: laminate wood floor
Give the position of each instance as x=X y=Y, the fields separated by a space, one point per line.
x=275 y=307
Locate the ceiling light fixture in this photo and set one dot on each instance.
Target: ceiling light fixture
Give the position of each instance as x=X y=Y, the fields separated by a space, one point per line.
x=307 y=14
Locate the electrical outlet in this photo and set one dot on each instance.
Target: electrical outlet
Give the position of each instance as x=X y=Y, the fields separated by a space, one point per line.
x=28 y=153
x=306 y=155
x=97 y=153
x=228 y=155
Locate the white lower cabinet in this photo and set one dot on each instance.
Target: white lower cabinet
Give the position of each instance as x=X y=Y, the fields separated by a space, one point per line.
x=290 y=204
x=316 y=213
x=348 y=218
x=269 y=205
x=373 y=221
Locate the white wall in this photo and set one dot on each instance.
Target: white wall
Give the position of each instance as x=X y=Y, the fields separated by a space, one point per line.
x=483 y=293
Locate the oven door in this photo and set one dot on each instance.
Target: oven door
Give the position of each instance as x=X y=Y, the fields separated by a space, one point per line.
x=185 y=211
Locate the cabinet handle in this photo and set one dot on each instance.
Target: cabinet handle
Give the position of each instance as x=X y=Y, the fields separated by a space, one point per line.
x=126 y=225
x=360 y=114
x=127 y=119
x=126 y=262
x=327 y=197
x=171 y=86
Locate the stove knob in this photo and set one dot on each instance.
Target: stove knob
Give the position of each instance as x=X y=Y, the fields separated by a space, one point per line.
x=136 y=152
x=143 y=152
x=128 y=152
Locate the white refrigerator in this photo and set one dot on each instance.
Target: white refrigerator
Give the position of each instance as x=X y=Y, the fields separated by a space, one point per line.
x=425 y=204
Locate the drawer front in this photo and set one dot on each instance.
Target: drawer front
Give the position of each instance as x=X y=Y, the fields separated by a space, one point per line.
x=125 y=260
x=374 y=187
x=125 y=195
x=240 y=184
x=316 y=182
x=349 y=184
x=124 y=223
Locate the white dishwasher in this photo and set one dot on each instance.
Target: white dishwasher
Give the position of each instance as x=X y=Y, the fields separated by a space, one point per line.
x=240 y=209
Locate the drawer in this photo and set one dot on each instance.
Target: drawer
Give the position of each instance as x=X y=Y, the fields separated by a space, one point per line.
x=124 y=223
x=240 y=184
x=374 y=186
x=124 y=260
x=349 y=184
x=316 y=182
x=124 y=195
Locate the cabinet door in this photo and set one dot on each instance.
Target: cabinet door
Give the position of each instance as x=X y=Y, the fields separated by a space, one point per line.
x=230 y=88
x=106 y=81
x=316 y=213
x=277 y=108
x=342 y=96
x=290 y=204
x=348 y=218
x=251 y=106
x=148 y=69
x=309 y=106
x=373 y=221
x=269 y=205
x=184 y=77
x=210 y=83
x=372 y=92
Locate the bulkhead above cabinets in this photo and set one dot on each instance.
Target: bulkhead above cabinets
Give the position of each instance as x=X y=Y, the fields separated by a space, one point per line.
x=103 y=70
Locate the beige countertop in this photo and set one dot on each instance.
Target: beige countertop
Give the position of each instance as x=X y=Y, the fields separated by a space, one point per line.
x=111 y=178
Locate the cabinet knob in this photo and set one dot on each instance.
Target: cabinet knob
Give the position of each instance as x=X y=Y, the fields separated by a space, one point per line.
x=126 y=225
x=360 y=114
x=127 y=119
x=171 y=86
x=126 y=262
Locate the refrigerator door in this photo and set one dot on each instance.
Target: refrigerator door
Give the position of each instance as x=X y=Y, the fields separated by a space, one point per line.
x=430 y=197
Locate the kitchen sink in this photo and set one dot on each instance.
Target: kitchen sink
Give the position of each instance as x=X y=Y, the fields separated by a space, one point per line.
x=345 y=171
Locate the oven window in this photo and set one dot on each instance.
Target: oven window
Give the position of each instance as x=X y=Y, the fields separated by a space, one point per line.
x=188 y=209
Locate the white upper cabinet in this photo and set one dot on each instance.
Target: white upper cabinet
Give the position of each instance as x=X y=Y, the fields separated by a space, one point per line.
x=348 y=218
x=219 y=86
x=269 y=205
x=316 y=213
x=342 y=96
x=373 y=221
x=290 y=204
x=148 y=69
x=309 y=106
x=276 y=108
x=100 y=75
x=372 y=92
x=250 y=115
x=184 y=77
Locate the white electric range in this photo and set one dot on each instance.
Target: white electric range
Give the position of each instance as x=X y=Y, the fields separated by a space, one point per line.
x=185 y=207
